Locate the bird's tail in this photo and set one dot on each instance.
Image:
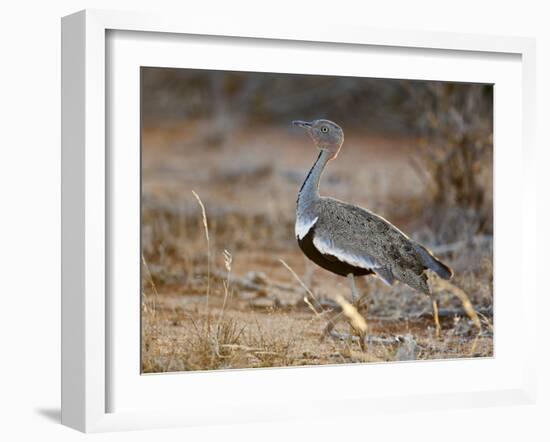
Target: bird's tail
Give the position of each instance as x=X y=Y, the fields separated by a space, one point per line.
x=431 y=262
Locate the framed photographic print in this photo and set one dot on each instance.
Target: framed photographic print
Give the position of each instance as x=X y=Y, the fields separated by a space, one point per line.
x=252 y=213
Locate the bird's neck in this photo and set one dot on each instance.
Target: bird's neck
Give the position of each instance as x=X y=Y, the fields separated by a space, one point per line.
x=309 y=192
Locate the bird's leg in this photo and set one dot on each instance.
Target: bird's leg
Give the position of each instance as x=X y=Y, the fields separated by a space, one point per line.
x=355 y=300
x=337 y=315
x=363 y=302
x=436 y=318
x=354 y=294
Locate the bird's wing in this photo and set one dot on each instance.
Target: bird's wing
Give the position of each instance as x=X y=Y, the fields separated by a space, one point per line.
x=358 y=237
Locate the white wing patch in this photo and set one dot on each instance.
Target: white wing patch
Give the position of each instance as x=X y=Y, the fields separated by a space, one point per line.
x=303 y=226
x=328 y=248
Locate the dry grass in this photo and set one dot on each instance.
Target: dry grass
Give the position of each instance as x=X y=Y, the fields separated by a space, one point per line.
x=216 y=296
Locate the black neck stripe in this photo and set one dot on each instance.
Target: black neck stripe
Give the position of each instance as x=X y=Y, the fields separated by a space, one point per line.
x=309 y=173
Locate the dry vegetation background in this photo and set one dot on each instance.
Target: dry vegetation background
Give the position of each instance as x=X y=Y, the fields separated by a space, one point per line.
x=218 y=291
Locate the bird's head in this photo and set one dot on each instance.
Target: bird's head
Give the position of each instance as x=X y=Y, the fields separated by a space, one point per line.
x=325 y=134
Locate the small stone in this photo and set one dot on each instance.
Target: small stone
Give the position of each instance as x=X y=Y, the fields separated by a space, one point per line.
x=262 y=303
x=407 y=350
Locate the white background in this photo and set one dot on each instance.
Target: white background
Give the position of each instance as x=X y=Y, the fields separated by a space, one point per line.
x=132 y=392
x=30 y=217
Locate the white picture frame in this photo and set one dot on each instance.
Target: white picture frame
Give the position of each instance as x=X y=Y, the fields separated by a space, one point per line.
x=88 y=229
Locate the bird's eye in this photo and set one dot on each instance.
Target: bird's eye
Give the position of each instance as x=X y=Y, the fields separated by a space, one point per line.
x=324 y=129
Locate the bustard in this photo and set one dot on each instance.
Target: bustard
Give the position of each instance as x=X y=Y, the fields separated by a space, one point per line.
x=351 y=241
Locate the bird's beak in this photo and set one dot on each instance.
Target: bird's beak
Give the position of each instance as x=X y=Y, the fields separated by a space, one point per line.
x=301 y=123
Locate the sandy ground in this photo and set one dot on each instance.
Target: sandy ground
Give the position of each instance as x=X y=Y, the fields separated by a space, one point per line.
x=196 y=315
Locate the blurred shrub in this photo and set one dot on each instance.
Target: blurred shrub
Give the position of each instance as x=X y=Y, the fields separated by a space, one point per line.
x=186 y=94
x=452 y=121
x=455 y=127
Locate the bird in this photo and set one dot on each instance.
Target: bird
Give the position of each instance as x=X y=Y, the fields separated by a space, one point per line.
x=352 y=241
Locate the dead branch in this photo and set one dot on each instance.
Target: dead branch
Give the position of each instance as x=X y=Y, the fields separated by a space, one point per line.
x=460 y=294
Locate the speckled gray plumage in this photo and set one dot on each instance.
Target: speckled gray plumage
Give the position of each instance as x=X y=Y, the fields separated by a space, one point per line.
x=364 y=234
